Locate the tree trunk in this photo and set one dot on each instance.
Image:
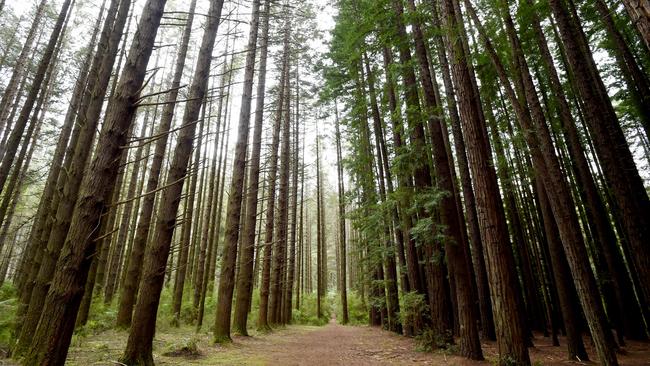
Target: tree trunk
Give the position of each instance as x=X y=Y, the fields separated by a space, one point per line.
x=139 y=345
x=54 y=331
x=36 y=86
x=129 y=290
x=639 y=12
x=547 y=168
x=566 y=293
x=511 y=340
x=487 y=323
x=10 y=94
x=619 y=168
x=59 y=153
x=233 y=215
x=342 y=236
x=264 y=308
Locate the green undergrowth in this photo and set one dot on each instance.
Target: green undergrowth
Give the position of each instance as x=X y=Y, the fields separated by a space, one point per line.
x=8 y=307
x=357 y=310
x=308 y=314
x=180 y=338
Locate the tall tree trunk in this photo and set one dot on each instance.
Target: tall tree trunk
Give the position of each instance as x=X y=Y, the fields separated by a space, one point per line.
x=35 y=88
x=54 y=234
x=139 y=345
x=595 y=209
x=561 y=272
x=476 y=247
x=342 y=236
x=288 y=294
x=392 y=303
x=619 y=168
x=10 y=93
x=54 y=331
x=233 y=215
x=129 y=290
x=263 y=316
x=124 y=227
x=639 y=12
x=319 y=234
x=548 y=170
x=59 y=153
x=637 y=81
x=457 y=262
x=511 y=340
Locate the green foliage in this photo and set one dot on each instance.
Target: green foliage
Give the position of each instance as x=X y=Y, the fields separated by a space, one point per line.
x=427 y=230
x=429 y=341
x=8 y=306
x=412 y=304
x=187 y=348
x=307 y=314
x=357 y=310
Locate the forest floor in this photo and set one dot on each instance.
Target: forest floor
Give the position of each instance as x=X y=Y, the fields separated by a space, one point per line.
x=333 y=344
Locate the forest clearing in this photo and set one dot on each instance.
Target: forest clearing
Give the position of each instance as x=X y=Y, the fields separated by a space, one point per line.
x=316 y=182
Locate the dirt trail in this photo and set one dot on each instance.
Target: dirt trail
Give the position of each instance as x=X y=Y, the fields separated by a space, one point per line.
x=333 y=344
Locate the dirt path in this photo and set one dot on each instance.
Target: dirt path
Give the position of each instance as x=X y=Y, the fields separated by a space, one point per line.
x=335 y=344
x=332 y=344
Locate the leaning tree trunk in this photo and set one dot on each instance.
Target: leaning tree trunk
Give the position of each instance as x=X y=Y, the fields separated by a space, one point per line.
x=53 y=237
x=113 y=266
x=511 y=340
x=548 y=170
x=443 y=163
x=487 y=324
x=59 y=152
x=54 y=332
x=611 y=147
x=639 y=12
x=595 y=209
x=129 y=290
x=36 y=86
x=139 y=345
x=10 y=93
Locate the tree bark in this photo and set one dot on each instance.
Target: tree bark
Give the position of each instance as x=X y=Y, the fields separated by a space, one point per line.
x=129 y=290
x=35 y=88
x=17 y=74
x=619 y=168
x=139 y=345
x=511 y=340
x=263 y=316
x=54 y=331
x=639 y=12
x=342 y=236
x=233 y=215
x=548 y=170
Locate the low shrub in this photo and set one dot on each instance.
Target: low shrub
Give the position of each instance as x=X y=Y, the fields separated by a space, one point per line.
x=357 y=309
x=187 y=349
x=307 y=314
x=8 y=307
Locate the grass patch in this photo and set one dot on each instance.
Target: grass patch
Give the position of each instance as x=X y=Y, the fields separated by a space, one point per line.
x=187 y=349
x=357 y=310
x=308 y=314
x=8 y=307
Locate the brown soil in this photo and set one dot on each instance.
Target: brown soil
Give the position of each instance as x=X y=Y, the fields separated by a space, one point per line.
x=332 y=344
